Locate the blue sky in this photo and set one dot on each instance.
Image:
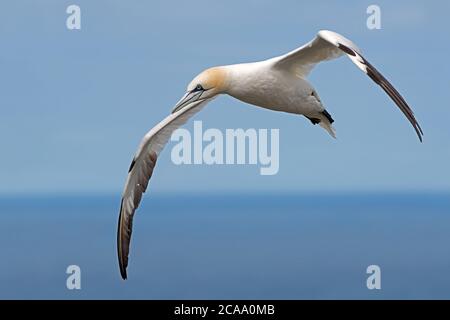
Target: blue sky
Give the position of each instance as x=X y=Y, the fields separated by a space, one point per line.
x=75 y=104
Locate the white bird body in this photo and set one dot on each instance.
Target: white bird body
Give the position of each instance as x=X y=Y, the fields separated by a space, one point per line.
x=278 y=84
x=263 y=85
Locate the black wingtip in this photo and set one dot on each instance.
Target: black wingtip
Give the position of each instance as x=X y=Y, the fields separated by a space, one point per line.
x=420 y=137
x=346 y=49
x=122 y=263
x=122 y=267
x=379 y=79
x=123 y=273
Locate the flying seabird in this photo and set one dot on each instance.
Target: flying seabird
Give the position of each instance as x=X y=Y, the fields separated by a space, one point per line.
x=278 y=84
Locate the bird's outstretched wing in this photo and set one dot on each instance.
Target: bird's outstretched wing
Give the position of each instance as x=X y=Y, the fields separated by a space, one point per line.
x=329 y=45
x=140 y=172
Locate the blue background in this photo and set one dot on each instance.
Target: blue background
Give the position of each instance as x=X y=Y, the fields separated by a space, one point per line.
x=75 y=104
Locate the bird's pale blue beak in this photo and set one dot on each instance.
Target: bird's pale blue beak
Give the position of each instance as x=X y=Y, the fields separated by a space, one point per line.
x=188 y=98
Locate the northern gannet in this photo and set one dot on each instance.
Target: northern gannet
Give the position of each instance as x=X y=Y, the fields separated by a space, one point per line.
x=278 y=83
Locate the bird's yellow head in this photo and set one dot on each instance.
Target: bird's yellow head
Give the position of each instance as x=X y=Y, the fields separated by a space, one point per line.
x=210 y=79
x=206 y=85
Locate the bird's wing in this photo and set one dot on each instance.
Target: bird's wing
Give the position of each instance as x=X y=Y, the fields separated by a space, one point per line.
x=140 y=172
x=329 y=45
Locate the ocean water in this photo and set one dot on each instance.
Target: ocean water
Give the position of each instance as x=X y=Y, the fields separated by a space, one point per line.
x=229 y=247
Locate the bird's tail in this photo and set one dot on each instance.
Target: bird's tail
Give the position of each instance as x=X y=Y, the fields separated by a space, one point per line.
x=329 y=127
x=326 y=122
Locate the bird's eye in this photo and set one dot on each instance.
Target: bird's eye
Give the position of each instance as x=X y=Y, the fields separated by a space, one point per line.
x=198 y=87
